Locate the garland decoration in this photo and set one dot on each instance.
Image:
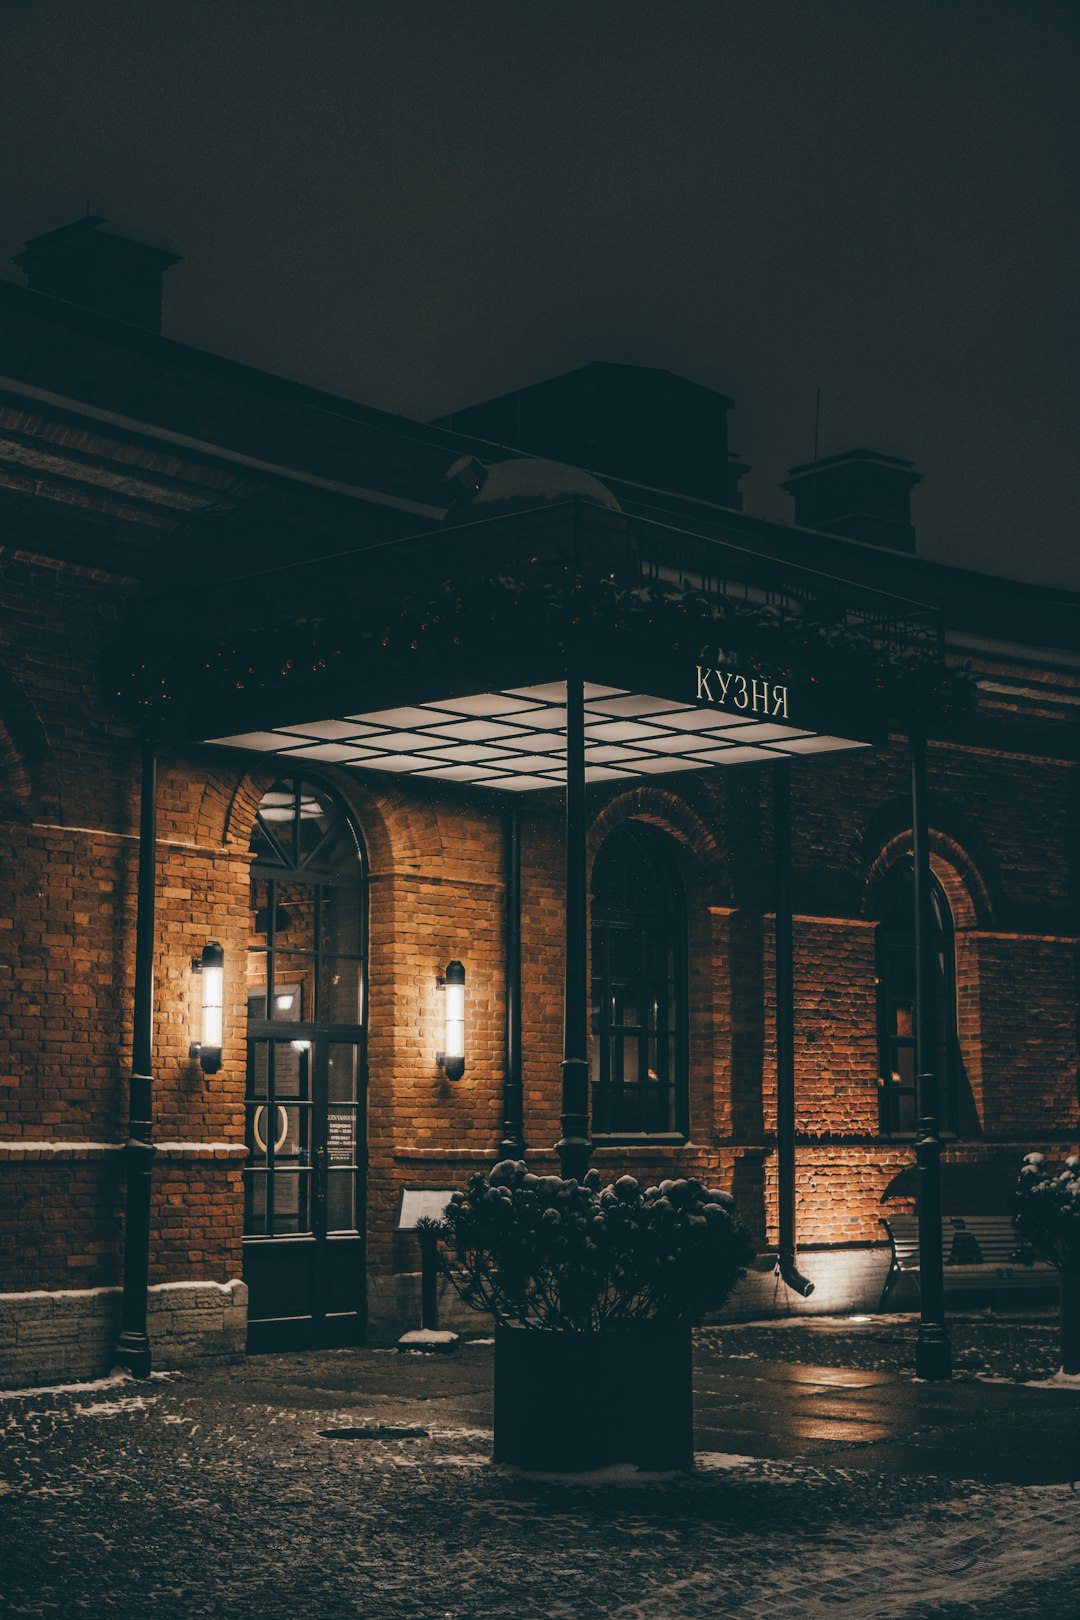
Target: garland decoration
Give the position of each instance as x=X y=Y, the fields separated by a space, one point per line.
x=495 y=619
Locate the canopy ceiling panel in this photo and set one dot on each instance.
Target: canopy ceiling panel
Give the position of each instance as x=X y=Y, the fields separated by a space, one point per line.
x=516 y=739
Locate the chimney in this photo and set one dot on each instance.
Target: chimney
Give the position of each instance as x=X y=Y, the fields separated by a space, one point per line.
x=93 y=264
x=861 y=495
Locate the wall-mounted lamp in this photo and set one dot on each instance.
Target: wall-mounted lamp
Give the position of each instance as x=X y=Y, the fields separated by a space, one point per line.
x=211 y=968
x=452 y=1056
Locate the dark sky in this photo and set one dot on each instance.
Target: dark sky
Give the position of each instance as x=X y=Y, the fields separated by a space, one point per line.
x=421 y=203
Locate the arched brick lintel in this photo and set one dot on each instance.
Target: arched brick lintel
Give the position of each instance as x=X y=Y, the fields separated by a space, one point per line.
x=29 y=782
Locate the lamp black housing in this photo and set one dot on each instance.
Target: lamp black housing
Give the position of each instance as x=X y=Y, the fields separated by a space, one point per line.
x=452 y=1056
x=211 y=967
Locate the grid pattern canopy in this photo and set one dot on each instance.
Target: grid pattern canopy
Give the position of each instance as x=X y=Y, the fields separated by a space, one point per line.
x=515 y=739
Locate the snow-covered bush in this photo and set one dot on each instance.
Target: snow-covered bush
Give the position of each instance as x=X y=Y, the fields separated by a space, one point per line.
x=1046 y=1209
x=540 y=1251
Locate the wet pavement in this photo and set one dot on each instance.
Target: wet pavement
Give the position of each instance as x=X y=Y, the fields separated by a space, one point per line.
x=358 y=1483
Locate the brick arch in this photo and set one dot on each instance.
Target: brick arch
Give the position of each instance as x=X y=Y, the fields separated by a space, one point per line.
x=961 y=881
x=959 y=861
x=29 y=781
x=686 y=824
x=397 y=832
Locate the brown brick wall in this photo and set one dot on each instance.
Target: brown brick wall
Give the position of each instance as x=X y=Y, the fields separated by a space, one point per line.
x=1004 y=847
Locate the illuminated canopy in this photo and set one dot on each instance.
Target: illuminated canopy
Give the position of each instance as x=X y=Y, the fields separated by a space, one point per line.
x=445 y=657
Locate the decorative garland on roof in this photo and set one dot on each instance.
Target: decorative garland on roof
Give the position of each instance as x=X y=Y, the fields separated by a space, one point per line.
x=501 y=619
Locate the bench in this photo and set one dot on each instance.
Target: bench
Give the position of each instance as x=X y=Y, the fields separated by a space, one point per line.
x=978 y=1252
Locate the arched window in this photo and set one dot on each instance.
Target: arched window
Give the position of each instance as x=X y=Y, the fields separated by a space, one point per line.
x=895 y=912
x=306 y=1072
x=639 y=1044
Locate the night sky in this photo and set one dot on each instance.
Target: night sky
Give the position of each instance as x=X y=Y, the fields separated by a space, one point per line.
x=420 y=204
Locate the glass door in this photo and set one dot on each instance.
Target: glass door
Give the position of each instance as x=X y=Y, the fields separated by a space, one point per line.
x=305 y=1103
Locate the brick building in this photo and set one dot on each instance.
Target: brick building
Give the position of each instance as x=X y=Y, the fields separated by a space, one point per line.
x=156 y=498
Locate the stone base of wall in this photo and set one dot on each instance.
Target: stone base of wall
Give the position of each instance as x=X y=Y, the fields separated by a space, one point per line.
x=394 y=1309
x=846 y=1282
x=71 y=1334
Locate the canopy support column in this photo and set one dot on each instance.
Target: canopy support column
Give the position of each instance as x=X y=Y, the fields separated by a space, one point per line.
x=785 y=1036
x=575 y=1147
x=933 y=1355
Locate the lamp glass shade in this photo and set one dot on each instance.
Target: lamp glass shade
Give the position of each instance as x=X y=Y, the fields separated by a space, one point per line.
x=454 y=1033
x=213 y=999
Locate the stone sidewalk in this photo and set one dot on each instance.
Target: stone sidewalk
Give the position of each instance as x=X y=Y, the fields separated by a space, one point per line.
x=357 y=1483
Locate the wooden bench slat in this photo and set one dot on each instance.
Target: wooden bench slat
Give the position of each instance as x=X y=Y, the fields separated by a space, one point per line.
x=976 y=1249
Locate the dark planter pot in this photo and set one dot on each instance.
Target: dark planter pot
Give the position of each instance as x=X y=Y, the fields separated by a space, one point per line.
x=565 y=1402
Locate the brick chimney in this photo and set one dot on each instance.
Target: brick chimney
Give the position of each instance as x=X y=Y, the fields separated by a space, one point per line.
x=92 y=263
x=861 y=495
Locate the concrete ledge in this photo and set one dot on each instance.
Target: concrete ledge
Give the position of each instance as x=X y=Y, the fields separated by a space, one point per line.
x=71 y=1333
x=23 y=1152
x=846 y=1281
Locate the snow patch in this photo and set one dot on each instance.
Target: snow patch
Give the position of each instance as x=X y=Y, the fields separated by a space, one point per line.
x=425 y=1340
x=110 y=1381
x=126 y=1403
x=229 y=1288
x=716 y=1460
x=1060 y=1380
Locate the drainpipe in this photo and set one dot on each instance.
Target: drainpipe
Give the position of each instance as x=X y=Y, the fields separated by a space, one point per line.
x=513 y=1139
x=133 y=1345
x=933 y=1354
x=785 y=1035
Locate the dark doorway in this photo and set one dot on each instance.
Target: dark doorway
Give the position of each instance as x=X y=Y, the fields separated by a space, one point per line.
x=306 y=1093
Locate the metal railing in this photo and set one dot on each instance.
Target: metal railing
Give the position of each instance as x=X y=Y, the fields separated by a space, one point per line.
x=571 y=537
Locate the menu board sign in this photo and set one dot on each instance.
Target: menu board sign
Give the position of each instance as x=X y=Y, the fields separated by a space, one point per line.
x=340 y=1135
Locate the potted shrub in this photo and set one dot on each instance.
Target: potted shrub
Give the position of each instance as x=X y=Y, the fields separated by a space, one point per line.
x=1046 y=1213
x=593 y=1290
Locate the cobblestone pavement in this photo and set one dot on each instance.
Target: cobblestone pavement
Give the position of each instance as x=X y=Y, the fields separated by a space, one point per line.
x=225 y=1493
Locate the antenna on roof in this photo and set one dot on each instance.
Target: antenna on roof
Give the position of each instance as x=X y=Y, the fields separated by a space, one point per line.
x=817 y=420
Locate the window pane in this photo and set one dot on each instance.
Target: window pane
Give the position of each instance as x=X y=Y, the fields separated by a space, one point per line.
x=317 y=815
x=294 y=916
x=255 y=1221
x=292 y=1200
x=292 y=1070
x=257 y=968
x=258 y=1069
x=293 y=998
x=342 y=1071
x=342 y=916
x=341 y=1201
x=627 y=1048
x=340 y=989
x=626 y=1009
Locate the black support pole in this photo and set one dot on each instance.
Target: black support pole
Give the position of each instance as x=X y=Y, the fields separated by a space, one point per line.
x=933 y=1356
x=513 y=1138
x=785 y=1035
x=133 y=1345
x=575 y=1148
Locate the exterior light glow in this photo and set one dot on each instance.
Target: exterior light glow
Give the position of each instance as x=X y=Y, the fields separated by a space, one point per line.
x=452 y=1056
x=211 y=967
